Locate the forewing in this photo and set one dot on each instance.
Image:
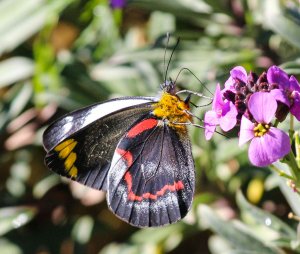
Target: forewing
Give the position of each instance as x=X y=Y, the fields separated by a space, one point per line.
x=85 y=156
x=151 y=179
x=69 y=124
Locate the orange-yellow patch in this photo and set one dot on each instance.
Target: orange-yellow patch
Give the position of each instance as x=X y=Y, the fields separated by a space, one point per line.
x=172 y=108
x=65 y=153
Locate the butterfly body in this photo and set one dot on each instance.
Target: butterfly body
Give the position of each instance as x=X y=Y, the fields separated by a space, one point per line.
x=135 y=148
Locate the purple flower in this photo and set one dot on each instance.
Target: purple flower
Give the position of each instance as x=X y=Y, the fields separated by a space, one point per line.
x=117 y=4
x=238 y=73
x=295 y=108
x=288 y=89
x=223 y=113
x=277 y=76
x=268 y=143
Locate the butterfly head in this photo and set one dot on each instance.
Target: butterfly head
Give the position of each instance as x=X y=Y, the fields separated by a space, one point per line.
x=169 y=87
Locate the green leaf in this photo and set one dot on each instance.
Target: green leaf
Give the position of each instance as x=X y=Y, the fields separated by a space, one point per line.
x=115 y=248
x=155 y=235
x=101 y=37
x=43 y=186
x=15 y=217
x=196 y=12
x=262 y=217
x=157 y=18
x=20 y=97
x=275 y=19
x=15 y=69
x=232 y=148
x=292 y=197
x=236 y=233
x=82 y=230
x=22 y=19
x=15 y=102
x=241 y=252
x=292 y=67
x=8 y=247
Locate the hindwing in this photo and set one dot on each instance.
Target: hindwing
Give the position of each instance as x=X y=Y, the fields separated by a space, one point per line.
x=151 y=180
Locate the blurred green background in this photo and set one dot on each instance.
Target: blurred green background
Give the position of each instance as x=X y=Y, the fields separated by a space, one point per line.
x=59 y=55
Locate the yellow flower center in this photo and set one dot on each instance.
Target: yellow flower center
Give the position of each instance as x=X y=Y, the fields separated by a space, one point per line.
x=261 y=129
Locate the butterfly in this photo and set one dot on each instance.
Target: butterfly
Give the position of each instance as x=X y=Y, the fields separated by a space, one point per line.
x=137 y=149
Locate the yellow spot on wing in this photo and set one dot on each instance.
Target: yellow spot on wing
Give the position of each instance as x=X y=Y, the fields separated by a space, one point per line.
x=64 y=151
x=70 y=160
x=73 y=172
x=63 y=144
x=67 y=150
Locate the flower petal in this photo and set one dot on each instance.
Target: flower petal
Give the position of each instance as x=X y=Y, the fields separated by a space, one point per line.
x=228 y=119
x=229 y=85
x=278 y=76
x=211 y=121
x=262 y=106
x=217 y=103
x=267 y=149
x=295 y=108
x=246 y=130
x=239 y=73
x=294 y=84
x=281 y=96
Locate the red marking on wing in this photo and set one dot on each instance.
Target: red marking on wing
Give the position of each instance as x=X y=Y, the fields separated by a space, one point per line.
x=133 y=197
x=126 y=155
x=142 y=126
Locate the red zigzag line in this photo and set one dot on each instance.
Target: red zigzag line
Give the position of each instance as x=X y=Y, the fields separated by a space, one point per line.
x=128 y=178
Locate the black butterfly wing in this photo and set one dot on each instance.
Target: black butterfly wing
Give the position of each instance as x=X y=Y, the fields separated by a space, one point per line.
x=151 y=180
x=69 y=124
x=84 y=154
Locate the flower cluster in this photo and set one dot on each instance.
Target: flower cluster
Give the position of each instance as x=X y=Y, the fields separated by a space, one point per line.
x=252 y=102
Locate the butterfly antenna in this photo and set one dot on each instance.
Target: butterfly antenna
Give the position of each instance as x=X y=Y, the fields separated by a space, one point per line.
x=166 y=73
x=201 y=95
x=187 y=69
x=168 y=40
x=198 y=106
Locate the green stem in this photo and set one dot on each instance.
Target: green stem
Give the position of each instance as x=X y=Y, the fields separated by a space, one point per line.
x=282 y=173
x=294 y=167
x=118 y=15
x=297 y=148
x=291 y=130
x=291 y=123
